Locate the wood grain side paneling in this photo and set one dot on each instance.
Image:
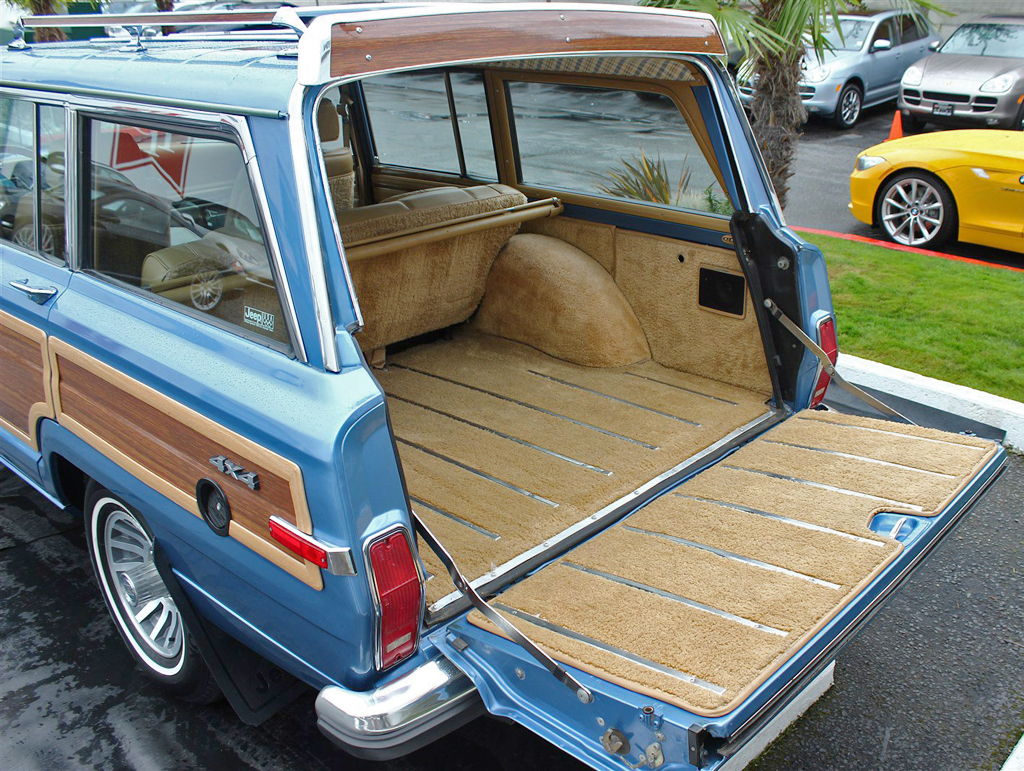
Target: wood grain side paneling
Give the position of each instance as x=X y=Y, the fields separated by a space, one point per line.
x=168 y=446
x=365 y=47
x=24 y=378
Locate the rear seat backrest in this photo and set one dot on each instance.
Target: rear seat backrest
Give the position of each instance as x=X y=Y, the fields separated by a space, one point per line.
x=338 y=159
x=432 y=285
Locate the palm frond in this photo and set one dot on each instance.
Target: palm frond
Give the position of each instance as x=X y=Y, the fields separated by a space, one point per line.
x=643 y=179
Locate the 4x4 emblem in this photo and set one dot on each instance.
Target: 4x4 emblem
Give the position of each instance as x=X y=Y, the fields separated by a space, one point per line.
x=233 y=470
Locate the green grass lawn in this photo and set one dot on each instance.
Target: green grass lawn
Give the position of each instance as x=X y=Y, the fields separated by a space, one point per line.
x=949 y=320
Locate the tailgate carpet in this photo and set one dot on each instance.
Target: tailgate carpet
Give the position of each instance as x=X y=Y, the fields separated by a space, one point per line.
x=504 y=447
x=699 y=596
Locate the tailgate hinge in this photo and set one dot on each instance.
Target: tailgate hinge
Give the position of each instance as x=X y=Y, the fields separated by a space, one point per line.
x=827 y=365
x=520 y=639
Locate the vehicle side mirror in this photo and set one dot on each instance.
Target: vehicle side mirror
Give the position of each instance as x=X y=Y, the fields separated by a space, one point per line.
x=881 y=45
x=934 y=45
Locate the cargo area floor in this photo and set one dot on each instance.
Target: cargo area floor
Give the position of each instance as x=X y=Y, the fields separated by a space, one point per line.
x=699 y=596
x=504 y=447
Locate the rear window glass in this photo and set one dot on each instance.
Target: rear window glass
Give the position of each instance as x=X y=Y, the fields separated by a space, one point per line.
x=612 y=143
x=173 y=214
x=411 y=117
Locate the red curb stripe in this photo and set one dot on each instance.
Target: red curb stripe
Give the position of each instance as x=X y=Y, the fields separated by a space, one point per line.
x=902 y=248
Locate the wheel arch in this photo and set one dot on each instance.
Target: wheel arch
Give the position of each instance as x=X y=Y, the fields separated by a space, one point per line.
x=856 y=80
x=932 y=173
x=69 y=481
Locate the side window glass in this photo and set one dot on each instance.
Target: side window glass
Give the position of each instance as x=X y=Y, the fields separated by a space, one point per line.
x=17 y=172
x=910 y=28
x=412 y=121
x=886 y=31
x=32 y=176
x=612 y=143
x=474 y=124
x=173 y=214
x=51 y=181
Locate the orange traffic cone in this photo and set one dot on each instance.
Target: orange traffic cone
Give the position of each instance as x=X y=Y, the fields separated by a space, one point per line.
x=896 y=132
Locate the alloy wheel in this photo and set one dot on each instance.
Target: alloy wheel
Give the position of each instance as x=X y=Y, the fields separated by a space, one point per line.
x=912 y=212
x=206 y=290
x=850 y=106
x=138 y=588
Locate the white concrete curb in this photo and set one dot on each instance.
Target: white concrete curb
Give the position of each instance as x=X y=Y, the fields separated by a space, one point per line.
x=1005 y=414
x=1016 y=760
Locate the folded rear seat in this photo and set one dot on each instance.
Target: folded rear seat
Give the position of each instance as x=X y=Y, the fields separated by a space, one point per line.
x=427 y=285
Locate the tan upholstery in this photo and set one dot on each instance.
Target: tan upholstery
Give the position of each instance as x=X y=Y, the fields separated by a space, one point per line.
x=237 y=267
x=339 y=162
x=550 y=295
x=418 y=207
x=432 y=285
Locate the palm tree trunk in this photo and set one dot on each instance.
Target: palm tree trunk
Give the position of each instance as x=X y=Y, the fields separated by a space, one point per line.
x=777 y=109
x=46 y=8
x=164 y=6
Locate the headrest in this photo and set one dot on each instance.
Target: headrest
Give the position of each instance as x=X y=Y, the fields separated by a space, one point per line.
x=327 y=122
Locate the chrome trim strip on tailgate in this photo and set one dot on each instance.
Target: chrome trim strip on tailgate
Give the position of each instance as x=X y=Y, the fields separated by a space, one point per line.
x=735 y=557
x=678 y=674
x=781 y=518
x=746 y=730
x=677 y=598
x=864 y=458
x=532 y=558
x=823 y=486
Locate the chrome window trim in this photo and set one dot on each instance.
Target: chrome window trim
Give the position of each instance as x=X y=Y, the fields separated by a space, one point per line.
x=311 y=232
x=333 y=217
x=759 y=161
x=71 y=202
x=236 y=125
x=378 y=654
x=59 y=94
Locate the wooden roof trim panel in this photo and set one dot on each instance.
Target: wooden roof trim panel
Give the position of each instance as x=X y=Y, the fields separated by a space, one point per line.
x=361 y=48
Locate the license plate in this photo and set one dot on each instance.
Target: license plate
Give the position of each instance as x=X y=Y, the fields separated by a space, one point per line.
x=942 y=109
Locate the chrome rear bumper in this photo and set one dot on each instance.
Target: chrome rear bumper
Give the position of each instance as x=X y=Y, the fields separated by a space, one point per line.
x=400 y=716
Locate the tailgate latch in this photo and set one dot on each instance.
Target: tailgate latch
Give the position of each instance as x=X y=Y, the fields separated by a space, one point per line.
x=697 y=752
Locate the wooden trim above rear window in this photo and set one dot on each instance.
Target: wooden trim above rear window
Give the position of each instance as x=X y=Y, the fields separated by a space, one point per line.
x=361 y=48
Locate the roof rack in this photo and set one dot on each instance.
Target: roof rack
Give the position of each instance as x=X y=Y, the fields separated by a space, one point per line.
x=137 y=24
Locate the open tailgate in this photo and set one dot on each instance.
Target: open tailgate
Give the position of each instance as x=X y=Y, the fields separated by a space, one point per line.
x=695 y=618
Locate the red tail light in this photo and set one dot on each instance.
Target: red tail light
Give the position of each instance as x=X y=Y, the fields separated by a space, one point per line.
x=399 y=593
x=827 y=341
x=297 y=542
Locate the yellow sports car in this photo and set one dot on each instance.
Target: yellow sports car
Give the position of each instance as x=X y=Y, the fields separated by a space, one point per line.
x=925 y=189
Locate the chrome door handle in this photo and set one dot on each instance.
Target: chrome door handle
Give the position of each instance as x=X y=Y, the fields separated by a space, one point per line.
x=37 y=294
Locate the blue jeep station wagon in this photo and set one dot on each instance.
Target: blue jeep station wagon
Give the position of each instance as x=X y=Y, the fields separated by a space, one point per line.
x=447 y=360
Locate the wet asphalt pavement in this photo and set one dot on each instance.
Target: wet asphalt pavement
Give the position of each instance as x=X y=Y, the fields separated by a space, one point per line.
x=935 y=682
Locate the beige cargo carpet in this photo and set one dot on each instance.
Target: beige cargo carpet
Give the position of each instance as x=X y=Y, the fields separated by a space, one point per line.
x=504 y=447
x=699 y=596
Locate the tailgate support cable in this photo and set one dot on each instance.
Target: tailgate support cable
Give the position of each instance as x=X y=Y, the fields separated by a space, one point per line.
x=827 y=365
x=520 y=639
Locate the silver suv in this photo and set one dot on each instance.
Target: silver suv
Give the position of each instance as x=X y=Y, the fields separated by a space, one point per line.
x=975 y=80
x=864 y=66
